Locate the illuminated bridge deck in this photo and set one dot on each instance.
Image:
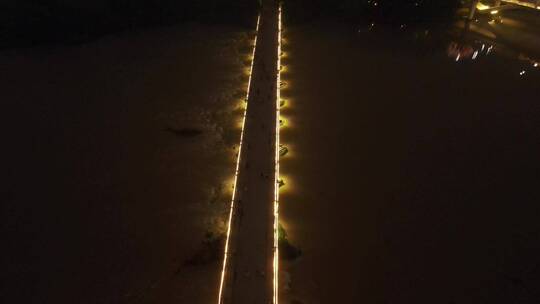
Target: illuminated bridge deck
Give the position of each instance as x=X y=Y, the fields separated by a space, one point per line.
x=248 y=275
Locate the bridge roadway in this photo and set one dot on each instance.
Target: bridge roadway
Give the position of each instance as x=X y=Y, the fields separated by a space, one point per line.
x=248 y=272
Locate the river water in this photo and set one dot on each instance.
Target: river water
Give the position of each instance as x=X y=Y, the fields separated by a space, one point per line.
x=412 y=175
x=117 y=160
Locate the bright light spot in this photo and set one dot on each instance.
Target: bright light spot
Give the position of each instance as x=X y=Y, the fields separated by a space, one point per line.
x=536 y=64
x=522 y=73
x=475 y=55
x=457 y=57
x=241 y=105
x=482 y=7
x=495 y=12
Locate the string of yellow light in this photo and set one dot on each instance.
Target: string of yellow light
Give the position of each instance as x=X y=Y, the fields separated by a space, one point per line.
x=276 y=186
x=232 y=205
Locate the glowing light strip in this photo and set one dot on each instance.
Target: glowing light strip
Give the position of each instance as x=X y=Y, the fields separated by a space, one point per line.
x=276 y=187
x=226 y=254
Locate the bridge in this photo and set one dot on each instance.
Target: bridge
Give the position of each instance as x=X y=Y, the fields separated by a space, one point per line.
x=251 y=257
x=250 y=262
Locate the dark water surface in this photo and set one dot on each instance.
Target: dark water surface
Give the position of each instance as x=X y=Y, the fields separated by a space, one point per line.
x=116 y=161
x=412 y=177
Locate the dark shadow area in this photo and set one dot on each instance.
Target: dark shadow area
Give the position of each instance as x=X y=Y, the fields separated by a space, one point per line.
x=26 y=23
x=184 y=132
x=211 y=250
x=287 y=251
